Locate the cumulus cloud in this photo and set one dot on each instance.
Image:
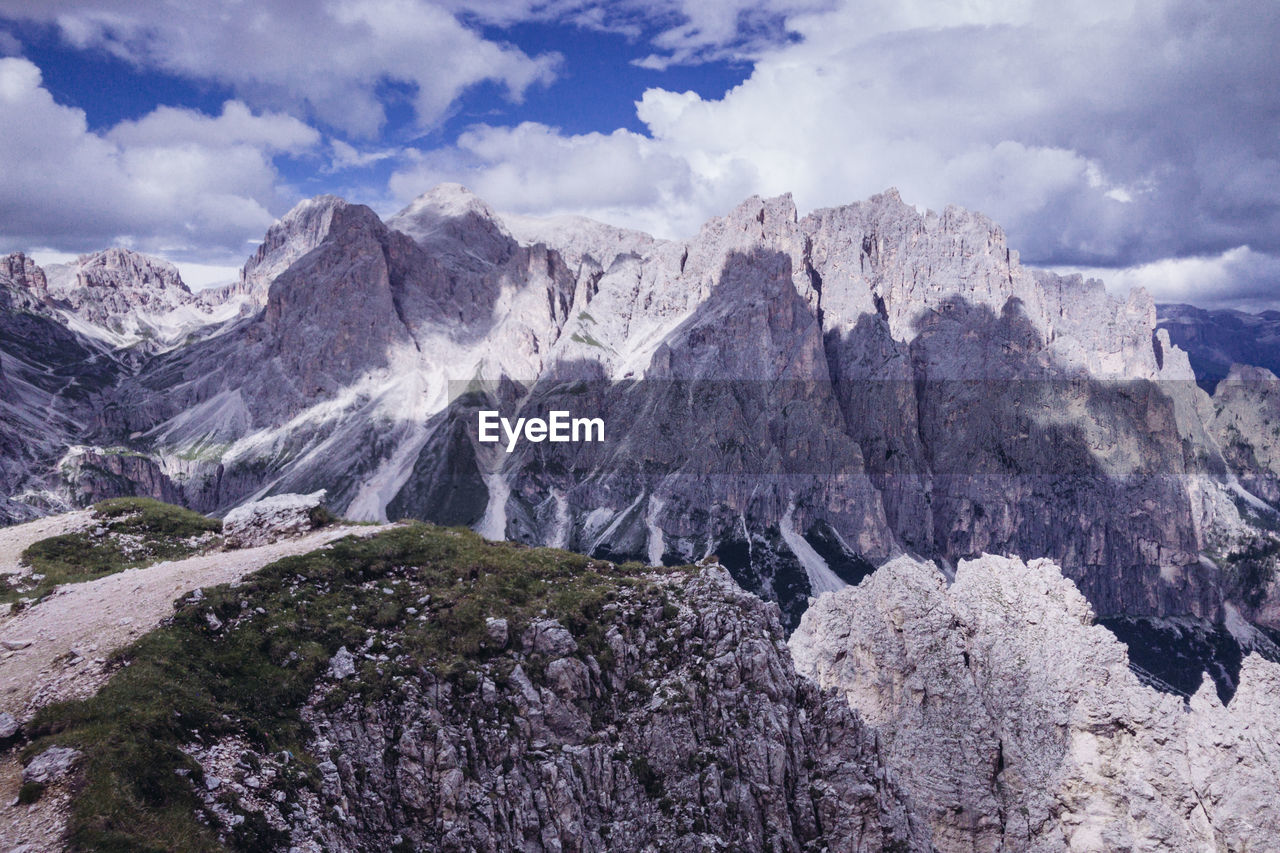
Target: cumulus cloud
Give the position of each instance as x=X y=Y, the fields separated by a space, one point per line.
x=1237 y=278
x=329 y=58
x=1096 y=133
x=173 y=181
x=237 y=125
x=621 y=177
x=347 y=156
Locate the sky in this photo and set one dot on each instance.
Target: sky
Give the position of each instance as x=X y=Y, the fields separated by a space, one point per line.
x=1136 y=140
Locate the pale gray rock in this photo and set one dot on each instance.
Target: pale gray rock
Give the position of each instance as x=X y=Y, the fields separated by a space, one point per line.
x=1246 y=423
x=497 y=631
x=267 y=520
x=53 y=384
x=51 y=765
x=548 y=637
x=8 y=725
x=1016 y=724
x=295 y=234
x=342 y=664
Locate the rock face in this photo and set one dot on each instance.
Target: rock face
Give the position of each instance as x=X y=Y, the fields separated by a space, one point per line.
x=128 y=299
x=8 y=725
x=263 y=522
x=802 y=397
x=1016 y=724
x=1246 y=423
x=685 y=727
x=52 y=384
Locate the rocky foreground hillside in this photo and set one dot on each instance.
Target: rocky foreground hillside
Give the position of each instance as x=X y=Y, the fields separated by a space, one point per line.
x=804 y=397
x=423 y=690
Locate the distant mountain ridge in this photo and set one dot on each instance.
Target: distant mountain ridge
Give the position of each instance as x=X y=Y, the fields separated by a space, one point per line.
x=804 y=397
x=1215 y=340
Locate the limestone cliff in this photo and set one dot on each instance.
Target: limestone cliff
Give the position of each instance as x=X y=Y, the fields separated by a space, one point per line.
x=1017 y=724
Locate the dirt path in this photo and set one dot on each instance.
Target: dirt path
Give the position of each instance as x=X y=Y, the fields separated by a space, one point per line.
x=60 y=639
x=14 y=540
x=57 y=649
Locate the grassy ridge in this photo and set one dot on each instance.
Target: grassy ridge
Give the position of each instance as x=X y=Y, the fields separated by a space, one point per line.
x=138 y=532
x=420 y=593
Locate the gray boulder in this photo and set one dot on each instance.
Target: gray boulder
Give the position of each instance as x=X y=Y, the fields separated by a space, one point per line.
x=265 y=521
x=51 y=765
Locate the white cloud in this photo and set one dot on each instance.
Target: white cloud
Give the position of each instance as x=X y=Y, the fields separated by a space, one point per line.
x=346 y=156
x=1103 y=133
x=622 y=177
x=330 y=58
x=174 y=181
x=201 y=276
x=1237 y=278
x=237 y=125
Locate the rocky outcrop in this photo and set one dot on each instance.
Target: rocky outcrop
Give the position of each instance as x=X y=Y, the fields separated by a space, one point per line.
x=1246 y=424
x=51 y=765
x=682 y=727
x=265 y=521
x=1017 y=724
x=298 y=232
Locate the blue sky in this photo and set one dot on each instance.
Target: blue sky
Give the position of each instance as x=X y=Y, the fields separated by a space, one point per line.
x=1139 y=139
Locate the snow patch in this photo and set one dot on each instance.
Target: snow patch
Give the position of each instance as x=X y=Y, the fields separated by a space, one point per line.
x=616 y=521
x=420 y=396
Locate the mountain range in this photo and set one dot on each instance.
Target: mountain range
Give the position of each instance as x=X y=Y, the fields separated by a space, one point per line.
x=805 y=398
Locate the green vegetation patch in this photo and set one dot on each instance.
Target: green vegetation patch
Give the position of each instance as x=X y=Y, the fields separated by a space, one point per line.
x=203 y=451
x=584 y=338
x=128 y=533
x=242 y=661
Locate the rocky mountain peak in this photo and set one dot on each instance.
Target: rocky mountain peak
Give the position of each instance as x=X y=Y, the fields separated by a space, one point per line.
x=121 y=269
x=127 y=299
x=862 y=317
x=19 y=271
x=111 y=289
x=449 y=201
x=452 y=221
x=292 y=236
